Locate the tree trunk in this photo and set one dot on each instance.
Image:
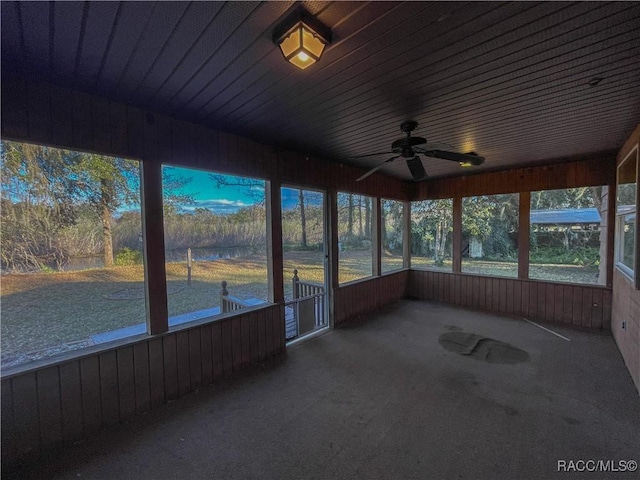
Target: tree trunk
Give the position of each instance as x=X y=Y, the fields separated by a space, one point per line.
x=367 y=217
x=303 y=220
x=360 y=216
x=350 y=214
x=107 y=238
x=383 y=228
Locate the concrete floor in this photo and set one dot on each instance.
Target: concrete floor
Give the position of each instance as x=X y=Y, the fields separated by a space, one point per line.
x=385 y=400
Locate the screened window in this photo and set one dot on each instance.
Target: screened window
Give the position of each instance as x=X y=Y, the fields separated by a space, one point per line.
x=391 y=226
x=431 y=234
x=215 y=231
x=355 y=256
x=489 y=235
x=568 y=236
x=71 y=244
x=626 y=213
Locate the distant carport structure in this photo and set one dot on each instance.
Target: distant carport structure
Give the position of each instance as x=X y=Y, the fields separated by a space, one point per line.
x=581 y=217
x=566 y=227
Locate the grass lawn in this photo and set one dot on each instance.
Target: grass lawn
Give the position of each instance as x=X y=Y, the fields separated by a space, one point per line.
x=44 y=310
x=482 y=267
x=41 y=311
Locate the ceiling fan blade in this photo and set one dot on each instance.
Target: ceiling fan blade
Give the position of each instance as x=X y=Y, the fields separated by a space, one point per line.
x=471 y=158
x=372 y=154
x=416 y=168
x=375 y=169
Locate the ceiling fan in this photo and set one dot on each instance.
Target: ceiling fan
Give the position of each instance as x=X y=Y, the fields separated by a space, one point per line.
x=412 y=147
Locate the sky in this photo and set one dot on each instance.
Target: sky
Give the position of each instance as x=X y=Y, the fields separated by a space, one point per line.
x=229 y=199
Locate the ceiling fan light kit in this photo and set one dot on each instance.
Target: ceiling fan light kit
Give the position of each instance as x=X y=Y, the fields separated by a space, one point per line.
x=410 y=148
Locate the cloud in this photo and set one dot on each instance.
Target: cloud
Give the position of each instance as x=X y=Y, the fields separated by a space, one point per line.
x=220 y=206
x=290 y=198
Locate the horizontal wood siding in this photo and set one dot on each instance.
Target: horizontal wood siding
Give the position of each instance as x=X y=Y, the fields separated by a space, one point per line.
x=578 y=305
x=364 y=296
x=61 y=403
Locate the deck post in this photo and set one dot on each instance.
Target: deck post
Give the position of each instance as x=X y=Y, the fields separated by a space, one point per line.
x=296 y=284
x=224 y=293
x=189 y=266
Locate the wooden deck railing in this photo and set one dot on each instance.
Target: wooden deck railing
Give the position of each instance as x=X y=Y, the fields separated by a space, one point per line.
x=305 y=289
x=229 y=303
x=308 y=305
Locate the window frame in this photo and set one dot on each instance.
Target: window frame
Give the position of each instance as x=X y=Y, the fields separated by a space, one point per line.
x=47 y=359
x=620 y=223
x=601 y=282
x=269 y=278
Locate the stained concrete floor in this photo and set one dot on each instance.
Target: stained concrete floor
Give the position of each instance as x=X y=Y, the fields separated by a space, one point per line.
x=385 y=400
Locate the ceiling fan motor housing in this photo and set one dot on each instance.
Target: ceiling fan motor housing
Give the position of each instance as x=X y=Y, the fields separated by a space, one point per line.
x=404 y=146
x=408 y=126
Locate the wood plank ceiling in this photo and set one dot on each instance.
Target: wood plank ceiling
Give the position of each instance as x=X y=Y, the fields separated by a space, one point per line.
x=508 y=80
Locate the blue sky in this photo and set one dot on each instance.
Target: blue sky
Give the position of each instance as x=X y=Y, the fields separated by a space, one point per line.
x=230 y=198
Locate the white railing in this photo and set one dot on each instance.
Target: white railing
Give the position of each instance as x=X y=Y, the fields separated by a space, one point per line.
x=229 y=303
x=307 y=307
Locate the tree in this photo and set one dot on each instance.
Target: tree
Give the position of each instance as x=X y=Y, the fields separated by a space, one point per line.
x=37 y=203
x=432 y=222
x=391 y=226
x=255 y=189
x=350 y=216
x=303 y=219
x=56 y=183
x=360 y=231
x=106 y=183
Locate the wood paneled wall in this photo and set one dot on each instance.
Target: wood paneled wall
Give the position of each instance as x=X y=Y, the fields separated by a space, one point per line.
x=590 y=171
x=579 y=305
x=47 y=114
x=355 y=299
x=65 y=402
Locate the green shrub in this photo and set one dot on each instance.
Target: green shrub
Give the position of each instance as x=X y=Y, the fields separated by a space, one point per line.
x=585 y=256
x=127 y=256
